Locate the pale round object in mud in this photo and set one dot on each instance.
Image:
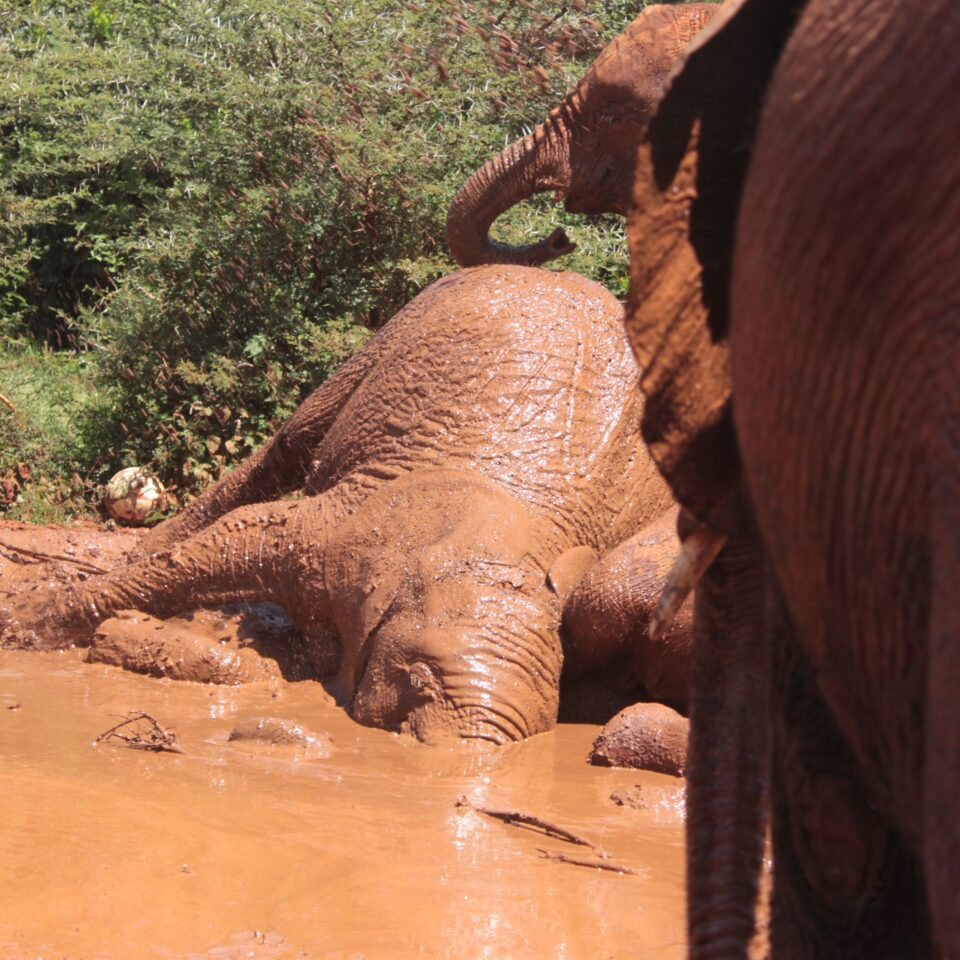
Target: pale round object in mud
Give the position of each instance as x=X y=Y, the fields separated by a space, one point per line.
x=132 y=495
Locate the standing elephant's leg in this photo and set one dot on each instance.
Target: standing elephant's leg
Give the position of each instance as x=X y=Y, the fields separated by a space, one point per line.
x=846 y=886
x=727 y=751
x=255 y=553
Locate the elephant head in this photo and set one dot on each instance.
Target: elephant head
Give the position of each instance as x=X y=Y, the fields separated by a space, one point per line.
x=585 y=150
x=449 y=629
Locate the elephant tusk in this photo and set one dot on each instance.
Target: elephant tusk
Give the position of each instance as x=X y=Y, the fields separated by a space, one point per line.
x=699 y=550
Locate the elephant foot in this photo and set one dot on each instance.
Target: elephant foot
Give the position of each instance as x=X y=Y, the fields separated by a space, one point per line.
x=243 y=643
x=607 y=614
x=647 y=736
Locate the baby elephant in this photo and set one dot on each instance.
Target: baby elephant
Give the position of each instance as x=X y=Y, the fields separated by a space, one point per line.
x=480 y=448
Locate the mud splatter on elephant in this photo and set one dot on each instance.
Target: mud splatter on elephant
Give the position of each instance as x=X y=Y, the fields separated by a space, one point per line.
x=795 y=309
x=585 y=151
x=458 y=474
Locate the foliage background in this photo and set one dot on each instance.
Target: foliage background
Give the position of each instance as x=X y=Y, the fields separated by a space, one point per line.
x=205 y=207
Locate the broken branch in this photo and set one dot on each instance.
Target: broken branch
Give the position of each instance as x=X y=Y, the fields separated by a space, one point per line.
x=530 y=821
x=154 y=737
x=584 y=862
x=40 y=555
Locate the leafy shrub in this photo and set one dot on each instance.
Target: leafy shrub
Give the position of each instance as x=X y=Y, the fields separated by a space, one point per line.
x=214 y=202
x=52 y=442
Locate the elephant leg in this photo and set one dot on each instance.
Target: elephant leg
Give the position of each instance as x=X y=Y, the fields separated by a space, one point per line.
x=607 y=615
x=280 y=466
x=726 y=758
x=846 y=885
x=260 y=552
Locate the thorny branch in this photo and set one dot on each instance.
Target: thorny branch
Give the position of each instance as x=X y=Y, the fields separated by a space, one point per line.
x=530 y=821
x=154 y=737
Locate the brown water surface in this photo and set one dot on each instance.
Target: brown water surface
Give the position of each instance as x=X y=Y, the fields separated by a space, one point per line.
x=322 y=839
x=239 y=849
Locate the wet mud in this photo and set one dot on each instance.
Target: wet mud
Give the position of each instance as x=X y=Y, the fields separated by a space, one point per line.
x=284 y=829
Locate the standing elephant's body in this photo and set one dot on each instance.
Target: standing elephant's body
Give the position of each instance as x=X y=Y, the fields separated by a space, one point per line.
x=855 y=476
x=795 y=307
x=868 y=441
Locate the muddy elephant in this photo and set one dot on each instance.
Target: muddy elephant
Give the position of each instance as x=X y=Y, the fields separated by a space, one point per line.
x=586 y=149
x=795 y=309
x=458 y=474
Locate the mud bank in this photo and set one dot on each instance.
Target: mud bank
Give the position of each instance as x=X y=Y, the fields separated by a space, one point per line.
x=372 y=847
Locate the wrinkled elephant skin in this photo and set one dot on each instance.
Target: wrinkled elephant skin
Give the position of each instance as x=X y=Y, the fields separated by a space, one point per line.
x=486 y=433
x=585 y=151
x=606 y=618
x=795 y=309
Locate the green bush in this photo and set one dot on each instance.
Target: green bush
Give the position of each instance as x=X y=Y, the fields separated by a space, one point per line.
x=213 y=203
x=53 y=445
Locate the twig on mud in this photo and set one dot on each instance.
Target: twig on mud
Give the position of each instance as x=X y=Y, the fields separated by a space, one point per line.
x=530 y=821
x=154 y=737
x=584 y=862
x=40 y=555
x=545 y=827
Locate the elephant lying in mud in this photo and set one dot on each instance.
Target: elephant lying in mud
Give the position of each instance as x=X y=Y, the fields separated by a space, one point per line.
x=795 y=308
x=586 y=149
x=459 y=474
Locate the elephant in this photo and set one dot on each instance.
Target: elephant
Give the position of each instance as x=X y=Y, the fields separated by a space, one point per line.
x=795 y=309
x=607 y=613
x=585 y=150
x=459 y=474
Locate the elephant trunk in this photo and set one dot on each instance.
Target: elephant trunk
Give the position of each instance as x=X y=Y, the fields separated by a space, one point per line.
x=500 y=671
x=727 y=751
x=537 y=163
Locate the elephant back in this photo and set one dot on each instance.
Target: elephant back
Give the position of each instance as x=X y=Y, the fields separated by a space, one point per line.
x=521 y=375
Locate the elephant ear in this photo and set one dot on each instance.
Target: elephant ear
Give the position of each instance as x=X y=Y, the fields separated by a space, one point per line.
x=689 y=178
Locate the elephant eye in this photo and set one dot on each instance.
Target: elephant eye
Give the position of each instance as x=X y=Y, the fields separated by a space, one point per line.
x=612 y=114
x=620 y=114
x=422 y=677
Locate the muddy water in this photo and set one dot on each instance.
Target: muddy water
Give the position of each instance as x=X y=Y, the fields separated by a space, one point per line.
x=237 y=849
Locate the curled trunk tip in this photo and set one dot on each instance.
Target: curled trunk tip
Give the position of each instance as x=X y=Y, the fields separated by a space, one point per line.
x=532 y=165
